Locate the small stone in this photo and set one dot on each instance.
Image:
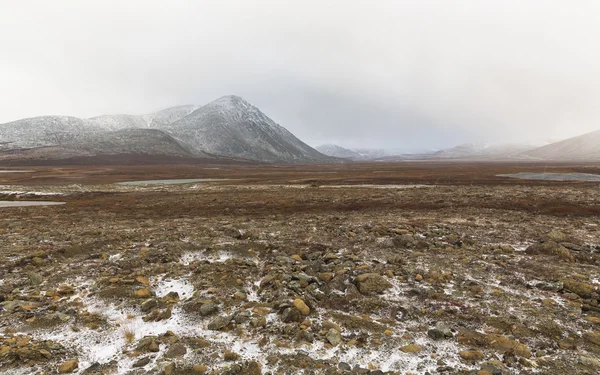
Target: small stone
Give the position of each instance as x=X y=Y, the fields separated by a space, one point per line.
x=580 y=288
x=141 y=362
x=171 y=297
x=369 y=283
x=199 y=369
x=231 y=356
x=302 y=307
x=168 y=369
x=334 y=337
x=254 y=368
x=241 y=296
x=411 y=348
x=209 y=309
x=68 y=367
x=219 y=322
x=471 y=355
x=35 y=278
x=436 y=334
x=176 y=350
x=589 y=361
x=419 y=277
x=258 y=322
x=143 y=293
x=143 y=280
x=149 y=304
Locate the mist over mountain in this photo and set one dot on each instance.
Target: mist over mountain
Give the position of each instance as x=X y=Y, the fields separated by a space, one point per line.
x=227 y=127
x=483 y=151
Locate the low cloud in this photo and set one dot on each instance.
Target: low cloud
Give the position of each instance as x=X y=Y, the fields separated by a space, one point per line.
x=398 y=74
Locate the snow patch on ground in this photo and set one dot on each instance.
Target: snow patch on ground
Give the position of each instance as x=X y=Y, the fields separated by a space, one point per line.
x=201 y=256
x=164 y=286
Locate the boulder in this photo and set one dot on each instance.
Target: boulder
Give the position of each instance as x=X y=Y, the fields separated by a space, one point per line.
x=371 y=283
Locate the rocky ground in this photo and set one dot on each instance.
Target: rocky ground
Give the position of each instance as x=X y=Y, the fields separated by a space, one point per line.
x=292 y=278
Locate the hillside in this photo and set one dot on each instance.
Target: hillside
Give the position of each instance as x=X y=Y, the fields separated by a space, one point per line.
x=228 y=127
x=232 y=127
x=585 y=147
x=121 y=142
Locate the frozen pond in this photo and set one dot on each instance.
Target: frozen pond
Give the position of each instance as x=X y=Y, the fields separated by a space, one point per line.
x=554 y=176
x=28 y=203
x=172 y=182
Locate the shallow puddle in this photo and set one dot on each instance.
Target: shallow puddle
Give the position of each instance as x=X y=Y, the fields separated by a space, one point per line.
x=172 y=182
x=28 y=203
x=553 y=176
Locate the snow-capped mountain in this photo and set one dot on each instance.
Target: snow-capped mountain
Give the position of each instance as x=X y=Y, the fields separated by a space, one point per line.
x=119 y=122
x=230 y=126
x=585 y=147
x=44 y=131
x=227 y=127
x=339 y=152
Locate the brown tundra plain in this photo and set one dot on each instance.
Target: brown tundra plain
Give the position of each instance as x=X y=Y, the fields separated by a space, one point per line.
x=358 y=268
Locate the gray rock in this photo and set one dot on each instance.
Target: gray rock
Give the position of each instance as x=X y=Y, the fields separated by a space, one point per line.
x=141 y=362
x=149 y=304
x=290 y=315
x=209 y=309
x=219 y=322
x=334 y=337
x=176 y=350
x=436 y=334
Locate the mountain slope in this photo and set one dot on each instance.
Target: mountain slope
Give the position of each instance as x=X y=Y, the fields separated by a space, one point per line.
x=338 y=152
x=119 y=122
x=482 y=151
x=229 y=127
x=120 y=142
x=160 y=119
x=585 y=147
x=232 y=127
x=44 y=131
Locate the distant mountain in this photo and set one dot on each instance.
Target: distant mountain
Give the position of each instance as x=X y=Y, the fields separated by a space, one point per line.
x=339 y=152
x=482 y=151
x=229 y=127
x=585 y=147
x=372 y=153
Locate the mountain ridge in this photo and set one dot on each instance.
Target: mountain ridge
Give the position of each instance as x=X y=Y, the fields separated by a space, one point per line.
x=227 y=127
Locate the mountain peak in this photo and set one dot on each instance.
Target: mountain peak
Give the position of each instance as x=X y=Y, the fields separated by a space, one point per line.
x=234 y=99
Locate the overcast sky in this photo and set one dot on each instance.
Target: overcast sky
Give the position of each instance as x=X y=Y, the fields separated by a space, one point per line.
x=395 y=74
